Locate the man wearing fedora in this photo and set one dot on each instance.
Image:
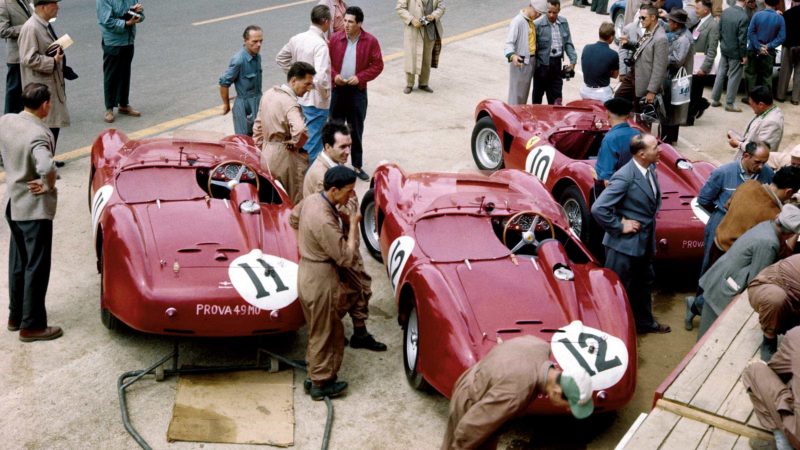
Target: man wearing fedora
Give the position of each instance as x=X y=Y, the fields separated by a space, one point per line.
x=681 y=56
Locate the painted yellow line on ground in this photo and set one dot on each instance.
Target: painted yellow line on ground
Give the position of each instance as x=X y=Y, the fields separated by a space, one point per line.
x=250 y=13
x=457 y=37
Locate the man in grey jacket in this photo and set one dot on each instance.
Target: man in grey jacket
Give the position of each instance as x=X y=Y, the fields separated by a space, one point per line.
x=651 y=56
x=733 y=55
x=13 y=13
x=520 y=51
x=706 y=40
x=26 y=145
x=553 y=39
x=627 y=210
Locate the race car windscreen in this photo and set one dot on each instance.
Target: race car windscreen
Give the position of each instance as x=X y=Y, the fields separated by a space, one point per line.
x=456 y=237
x=149 y=184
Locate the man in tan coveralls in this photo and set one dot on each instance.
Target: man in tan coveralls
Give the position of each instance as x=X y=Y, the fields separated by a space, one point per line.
x=773 y=399
x=775 y=295
x=503 y=384
x=280 y=130
x=336 y=144
x=324 y=251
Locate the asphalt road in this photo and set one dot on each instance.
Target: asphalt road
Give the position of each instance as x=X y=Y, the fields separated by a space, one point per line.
x=177 y=63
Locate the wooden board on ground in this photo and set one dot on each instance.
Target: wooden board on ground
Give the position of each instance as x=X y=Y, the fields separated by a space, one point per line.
x=703 y=403
x=247 y=407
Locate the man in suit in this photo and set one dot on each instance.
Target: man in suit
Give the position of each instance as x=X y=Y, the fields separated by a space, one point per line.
x=520 y=51
x=733 y=55
x=13 y=13
x=37 y=66
x=627 y=211
x=651 y=57
x=26 y=145
x=706 y=39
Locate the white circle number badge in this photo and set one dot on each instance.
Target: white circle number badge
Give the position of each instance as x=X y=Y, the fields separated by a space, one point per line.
x=602 y=355
x=399 y=252
x=539 y=161
x=265 y=281
x=99 y=202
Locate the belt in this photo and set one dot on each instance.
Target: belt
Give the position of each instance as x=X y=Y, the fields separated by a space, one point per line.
x=250 y=95
x=596 y=87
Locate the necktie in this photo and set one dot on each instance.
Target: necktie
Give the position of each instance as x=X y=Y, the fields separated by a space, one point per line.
x=652 y=182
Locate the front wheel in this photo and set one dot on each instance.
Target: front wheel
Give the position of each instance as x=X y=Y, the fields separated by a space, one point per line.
x=487 y=149
x=577 y=212
x=370 y=233
x=619 y=24
x=411 y=351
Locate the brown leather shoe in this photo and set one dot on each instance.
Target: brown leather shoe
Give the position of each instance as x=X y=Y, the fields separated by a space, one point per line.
x=128 y=111
x=13 y=326
x=41 y=334
x=108 y=116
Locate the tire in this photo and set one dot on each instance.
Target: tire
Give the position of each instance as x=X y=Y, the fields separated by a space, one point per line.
x=487 y=149
x=619 y=23
x=411 y=352
x=577 y=212
x=370 y=233
x=109 y=320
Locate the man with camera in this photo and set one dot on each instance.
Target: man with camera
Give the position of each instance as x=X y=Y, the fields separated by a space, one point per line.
x=650 y=57
x=520 y=51
x=117 y=20
x=553 y=39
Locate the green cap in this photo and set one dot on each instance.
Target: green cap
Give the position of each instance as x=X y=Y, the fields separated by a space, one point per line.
x=577 y=388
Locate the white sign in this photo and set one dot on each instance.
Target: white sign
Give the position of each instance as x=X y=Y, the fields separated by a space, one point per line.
x=539 y=161
x=265 y=281
x=603 y=356
x=99 y=202
x=399 y=252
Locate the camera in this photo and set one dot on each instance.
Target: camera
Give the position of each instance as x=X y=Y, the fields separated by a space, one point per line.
x=130 y=14
x=629 y=61
x=424 y=21
x=567 y=73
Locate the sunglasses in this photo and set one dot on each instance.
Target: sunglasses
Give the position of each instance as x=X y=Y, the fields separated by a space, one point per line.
x=641 y=18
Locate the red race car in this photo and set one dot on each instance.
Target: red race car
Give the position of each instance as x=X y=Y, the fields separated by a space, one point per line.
x=192 y=238
x=474 y=260
x=559 y=145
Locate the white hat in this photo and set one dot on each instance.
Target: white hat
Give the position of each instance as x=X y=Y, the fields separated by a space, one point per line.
x=540 y=6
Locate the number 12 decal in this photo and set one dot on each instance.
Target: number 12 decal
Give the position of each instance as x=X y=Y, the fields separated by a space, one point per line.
x=266 y=281
x=399 y=252
x=603 y=356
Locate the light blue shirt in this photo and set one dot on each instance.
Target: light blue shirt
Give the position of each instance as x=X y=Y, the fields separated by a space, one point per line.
x=112 y=25
x=245 y=71
x=349 y=60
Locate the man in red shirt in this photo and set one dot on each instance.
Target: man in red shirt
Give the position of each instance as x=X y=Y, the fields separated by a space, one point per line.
x=355 y=60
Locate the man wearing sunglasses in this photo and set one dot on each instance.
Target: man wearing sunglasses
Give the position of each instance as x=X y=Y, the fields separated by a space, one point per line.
x=650 y=56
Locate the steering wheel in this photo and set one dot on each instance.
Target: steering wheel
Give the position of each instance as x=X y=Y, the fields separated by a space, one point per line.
x=232 y=173
x=528 y=223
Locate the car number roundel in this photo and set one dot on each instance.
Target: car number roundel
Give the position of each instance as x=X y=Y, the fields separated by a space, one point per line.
x=540 y=161
x=99 y=202
x=603 y=356
x=265 y=281
x=399 y=252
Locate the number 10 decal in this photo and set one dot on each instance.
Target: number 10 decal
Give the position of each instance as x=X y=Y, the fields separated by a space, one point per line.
x=539 y=161
x=399 y=252
x=265 y=281
x=602 y=356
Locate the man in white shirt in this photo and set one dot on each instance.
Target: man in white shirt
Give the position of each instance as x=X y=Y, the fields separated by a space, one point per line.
x=312 y=47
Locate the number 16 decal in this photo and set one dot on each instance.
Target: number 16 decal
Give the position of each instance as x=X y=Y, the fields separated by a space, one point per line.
x=603 y=356
x=399 y=252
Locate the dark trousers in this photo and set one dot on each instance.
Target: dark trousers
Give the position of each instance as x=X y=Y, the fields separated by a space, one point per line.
x=758 y=70
x=13 y=89
x=637 y=275
x=547 y=80
x=697 y=102
x=28 y=270
x=55 y=132
x=349 y=104
x=117 y=74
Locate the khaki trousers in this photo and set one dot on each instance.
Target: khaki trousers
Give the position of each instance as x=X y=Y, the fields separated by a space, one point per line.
x=777 y=311
x=770 y=396
x=425 y=67
x=287 y=166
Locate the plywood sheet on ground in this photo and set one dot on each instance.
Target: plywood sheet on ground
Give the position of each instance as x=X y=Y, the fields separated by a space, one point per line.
x=247 y=407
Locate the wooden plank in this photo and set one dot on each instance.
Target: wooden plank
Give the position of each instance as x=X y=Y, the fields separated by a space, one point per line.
x=653 y=430
x=713 y=348
x=743 y=443
x=713 y=420
x=687 y=434
x=719 y=439
x=729 y=369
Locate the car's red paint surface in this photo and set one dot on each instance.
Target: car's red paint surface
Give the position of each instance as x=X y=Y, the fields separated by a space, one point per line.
x=471 y=292
x=173 y=257
x=576 y=131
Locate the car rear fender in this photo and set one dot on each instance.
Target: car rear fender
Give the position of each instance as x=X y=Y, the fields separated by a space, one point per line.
x=578 y=174
x=446 y=347
x=124 y=247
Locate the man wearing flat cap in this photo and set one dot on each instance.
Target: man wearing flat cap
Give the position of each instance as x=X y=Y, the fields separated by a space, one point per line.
x=325 y=250
x=753 y=251
x=37 y=65
x=520 y=51
x=615 y=148
x=503 y=384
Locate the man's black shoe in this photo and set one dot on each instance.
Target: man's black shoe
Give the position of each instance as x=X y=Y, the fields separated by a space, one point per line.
x=332 y=389
x=307 y=385
x=703 y=107
x=368 y=342
x=361 y=174
x=60 y=163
